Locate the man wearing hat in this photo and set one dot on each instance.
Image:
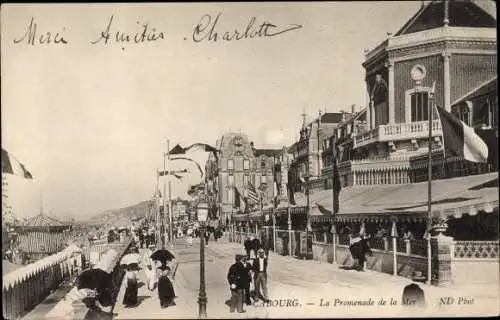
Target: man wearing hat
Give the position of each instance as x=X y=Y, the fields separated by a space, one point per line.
x=235 y=277
x=260 y=275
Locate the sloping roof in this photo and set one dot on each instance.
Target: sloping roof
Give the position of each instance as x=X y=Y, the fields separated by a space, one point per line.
x=486 y=87
x=461 y=13
x=43 y=220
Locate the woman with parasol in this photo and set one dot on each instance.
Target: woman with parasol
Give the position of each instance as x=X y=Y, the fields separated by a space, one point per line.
x=165 y=287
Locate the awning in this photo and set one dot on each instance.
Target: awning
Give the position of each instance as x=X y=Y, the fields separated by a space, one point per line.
x=408 y=202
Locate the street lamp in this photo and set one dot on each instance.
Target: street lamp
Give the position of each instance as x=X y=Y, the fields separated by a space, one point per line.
x=202 y=213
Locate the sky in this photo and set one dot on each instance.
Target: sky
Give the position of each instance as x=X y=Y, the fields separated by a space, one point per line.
x=91 y=121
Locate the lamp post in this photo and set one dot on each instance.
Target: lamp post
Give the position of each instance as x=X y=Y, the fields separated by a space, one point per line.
x=202 y=213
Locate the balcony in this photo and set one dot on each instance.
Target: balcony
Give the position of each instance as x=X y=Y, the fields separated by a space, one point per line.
x=398 y=131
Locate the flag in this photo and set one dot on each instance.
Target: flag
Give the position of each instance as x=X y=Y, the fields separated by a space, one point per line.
x=460 y=140
x=275 y=194
x=12 y=166
x=323 y=210
x=237 y=198
x=172 y=173
x=252 y=193
x=337 y=186
x=291 y=186
x=191 y=160
x=195 y=146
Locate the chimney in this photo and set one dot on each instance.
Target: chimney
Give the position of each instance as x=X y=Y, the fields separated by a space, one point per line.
x=353 y=108
x=251 y=145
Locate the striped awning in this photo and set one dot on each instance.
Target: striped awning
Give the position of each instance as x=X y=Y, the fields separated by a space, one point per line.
x=23 y=273
x=451 y=198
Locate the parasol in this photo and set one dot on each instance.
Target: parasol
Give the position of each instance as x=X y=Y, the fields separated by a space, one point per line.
x=130 y=258
x=163 y=256
x=94 y=279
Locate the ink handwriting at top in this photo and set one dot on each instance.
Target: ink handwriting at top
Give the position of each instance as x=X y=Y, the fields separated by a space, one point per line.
x=44 y=38
x=145 y=34
x=206 y=30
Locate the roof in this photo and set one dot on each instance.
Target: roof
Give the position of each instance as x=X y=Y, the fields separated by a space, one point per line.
x=333 y=117
x=43 y=220
x=461 y=13
x=267 y=152
x=483 y=88
x=449 y=195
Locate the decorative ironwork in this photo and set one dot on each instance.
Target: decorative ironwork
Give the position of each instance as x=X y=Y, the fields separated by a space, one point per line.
x=476 y=249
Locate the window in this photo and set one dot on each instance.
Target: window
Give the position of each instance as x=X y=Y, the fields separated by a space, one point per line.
x=263 y=179
x=230 y=180
x=246 y=179
x=262 y=163
x=230 y=193
x=230 y=164
x=246 y=164
x=419 y=106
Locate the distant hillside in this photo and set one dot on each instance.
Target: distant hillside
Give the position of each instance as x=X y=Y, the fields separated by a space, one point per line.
x=139 y=210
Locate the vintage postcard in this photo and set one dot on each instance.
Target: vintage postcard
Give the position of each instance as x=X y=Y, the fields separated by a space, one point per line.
x=250 y=160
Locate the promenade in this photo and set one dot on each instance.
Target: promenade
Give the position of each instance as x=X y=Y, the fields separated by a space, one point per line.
x=297 y=289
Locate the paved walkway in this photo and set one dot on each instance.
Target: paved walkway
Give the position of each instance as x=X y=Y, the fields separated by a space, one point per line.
x=298 y=289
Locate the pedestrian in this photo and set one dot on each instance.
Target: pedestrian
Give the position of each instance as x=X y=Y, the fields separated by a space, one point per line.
x=248 y=247
x=260 y=275
x=235 y=277
x=358 y=248
x=413 y=295
x=165 y=288
x=130 y=297
x=141 y=238
x=247 y=280
x=207 y=235
x=256 y=245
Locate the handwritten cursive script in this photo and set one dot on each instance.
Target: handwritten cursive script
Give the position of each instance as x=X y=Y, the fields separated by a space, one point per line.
x=206 y=29
x=146 y=34
x=31 y=36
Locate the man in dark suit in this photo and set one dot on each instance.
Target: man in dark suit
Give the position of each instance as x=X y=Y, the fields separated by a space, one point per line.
x=235 y=277
x=260 y=275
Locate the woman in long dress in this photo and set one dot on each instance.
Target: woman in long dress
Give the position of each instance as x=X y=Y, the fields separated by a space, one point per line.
x=165 y=288
x=130 y=298
x=150 y=269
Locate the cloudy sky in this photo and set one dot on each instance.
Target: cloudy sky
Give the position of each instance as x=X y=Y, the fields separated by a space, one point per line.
x=90 y=121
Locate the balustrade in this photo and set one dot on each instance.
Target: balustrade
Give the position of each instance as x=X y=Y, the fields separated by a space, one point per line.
x=397 y=131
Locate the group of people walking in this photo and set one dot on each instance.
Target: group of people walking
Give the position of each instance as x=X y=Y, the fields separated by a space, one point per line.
x=253 y=264
x=157 y=277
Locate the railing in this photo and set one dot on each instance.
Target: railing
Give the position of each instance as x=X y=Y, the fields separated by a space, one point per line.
x=344 y=239
x=398 y=131
x=26 y=287
x=378 y=243
x=319 y=236
x=418 y=247
x=401 y=245
x=476 y=250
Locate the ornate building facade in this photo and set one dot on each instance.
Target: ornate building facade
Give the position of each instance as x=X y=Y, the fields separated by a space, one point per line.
x=237 y=165
x=448 y=48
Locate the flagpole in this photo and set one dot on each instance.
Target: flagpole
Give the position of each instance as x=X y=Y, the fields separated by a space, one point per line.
x=429 y=187
x=166 y=176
